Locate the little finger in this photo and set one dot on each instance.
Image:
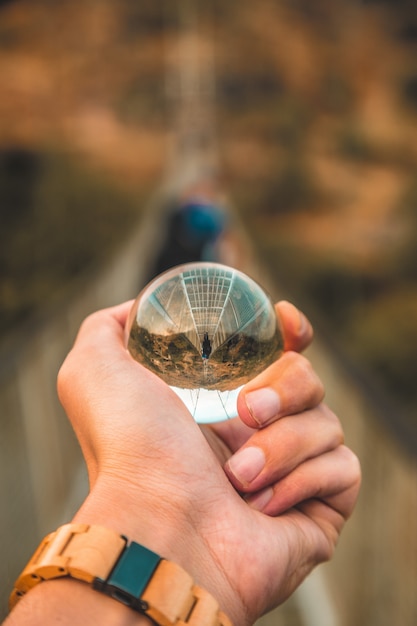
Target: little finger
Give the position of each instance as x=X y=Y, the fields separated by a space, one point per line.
x=333 y=478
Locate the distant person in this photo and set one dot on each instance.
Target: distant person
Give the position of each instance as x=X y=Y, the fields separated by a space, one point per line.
x=191 y=231
x=206 y=346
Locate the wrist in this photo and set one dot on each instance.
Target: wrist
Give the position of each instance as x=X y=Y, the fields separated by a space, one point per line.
x=68 y=602
x=167 y=526
x=126 y=571
x=122 y=506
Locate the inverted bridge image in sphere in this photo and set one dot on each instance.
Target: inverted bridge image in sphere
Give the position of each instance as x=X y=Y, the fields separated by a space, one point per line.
x=204 y=326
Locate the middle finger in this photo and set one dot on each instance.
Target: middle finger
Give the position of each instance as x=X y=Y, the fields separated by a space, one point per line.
x=273 y=452
x=288 y=386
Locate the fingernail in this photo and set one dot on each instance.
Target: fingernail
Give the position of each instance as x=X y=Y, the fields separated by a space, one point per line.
x=247 y=464
x=260 y=500
x=263 y=404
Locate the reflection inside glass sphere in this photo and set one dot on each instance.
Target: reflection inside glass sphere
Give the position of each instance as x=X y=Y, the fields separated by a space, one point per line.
x=205 y=329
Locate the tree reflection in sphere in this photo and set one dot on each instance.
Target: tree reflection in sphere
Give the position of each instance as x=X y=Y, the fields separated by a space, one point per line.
x=206 y=329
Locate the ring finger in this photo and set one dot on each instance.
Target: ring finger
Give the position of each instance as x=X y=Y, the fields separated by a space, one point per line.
x=272 y=453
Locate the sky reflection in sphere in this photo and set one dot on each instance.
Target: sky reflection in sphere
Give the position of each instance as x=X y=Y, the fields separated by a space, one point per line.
x=206 y=330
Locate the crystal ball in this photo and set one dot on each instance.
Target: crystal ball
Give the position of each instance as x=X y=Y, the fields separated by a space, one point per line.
x=206 y=329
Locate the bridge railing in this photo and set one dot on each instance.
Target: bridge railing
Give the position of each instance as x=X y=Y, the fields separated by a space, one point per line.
x=372 y=579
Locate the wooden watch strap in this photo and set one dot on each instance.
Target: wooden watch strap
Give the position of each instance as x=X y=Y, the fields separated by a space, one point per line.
x=78 y=550
x=174 y=599
x=130 y=573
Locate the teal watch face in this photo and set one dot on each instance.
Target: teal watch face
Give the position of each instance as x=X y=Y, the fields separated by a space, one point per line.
x=206 y=329
x=131 y=575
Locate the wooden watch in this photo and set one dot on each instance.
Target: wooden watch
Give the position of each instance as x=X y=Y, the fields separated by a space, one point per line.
x=128 y=572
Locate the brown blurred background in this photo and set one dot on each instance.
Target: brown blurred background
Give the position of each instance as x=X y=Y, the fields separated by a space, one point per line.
x=300 y=118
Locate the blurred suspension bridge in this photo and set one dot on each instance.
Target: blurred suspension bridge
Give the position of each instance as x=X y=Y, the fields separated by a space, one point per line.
x=372 y=578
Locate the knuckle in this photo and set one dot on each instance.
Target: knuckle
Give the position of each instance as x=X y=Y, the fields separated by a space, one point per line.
x=307 y=370
x=300 y=363
x=311 y=380
x=299 y=382
x=64 y=379
x=330 y=415
x=334 y=423
x=353 y=465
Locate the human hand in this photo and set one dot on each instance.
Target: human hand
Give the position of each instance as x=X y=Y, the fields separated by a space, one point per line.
x=155 y=478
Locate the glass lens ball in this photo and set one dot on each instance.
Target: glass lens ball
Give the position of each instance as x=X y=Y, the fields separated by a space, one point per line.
x=206 y=329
